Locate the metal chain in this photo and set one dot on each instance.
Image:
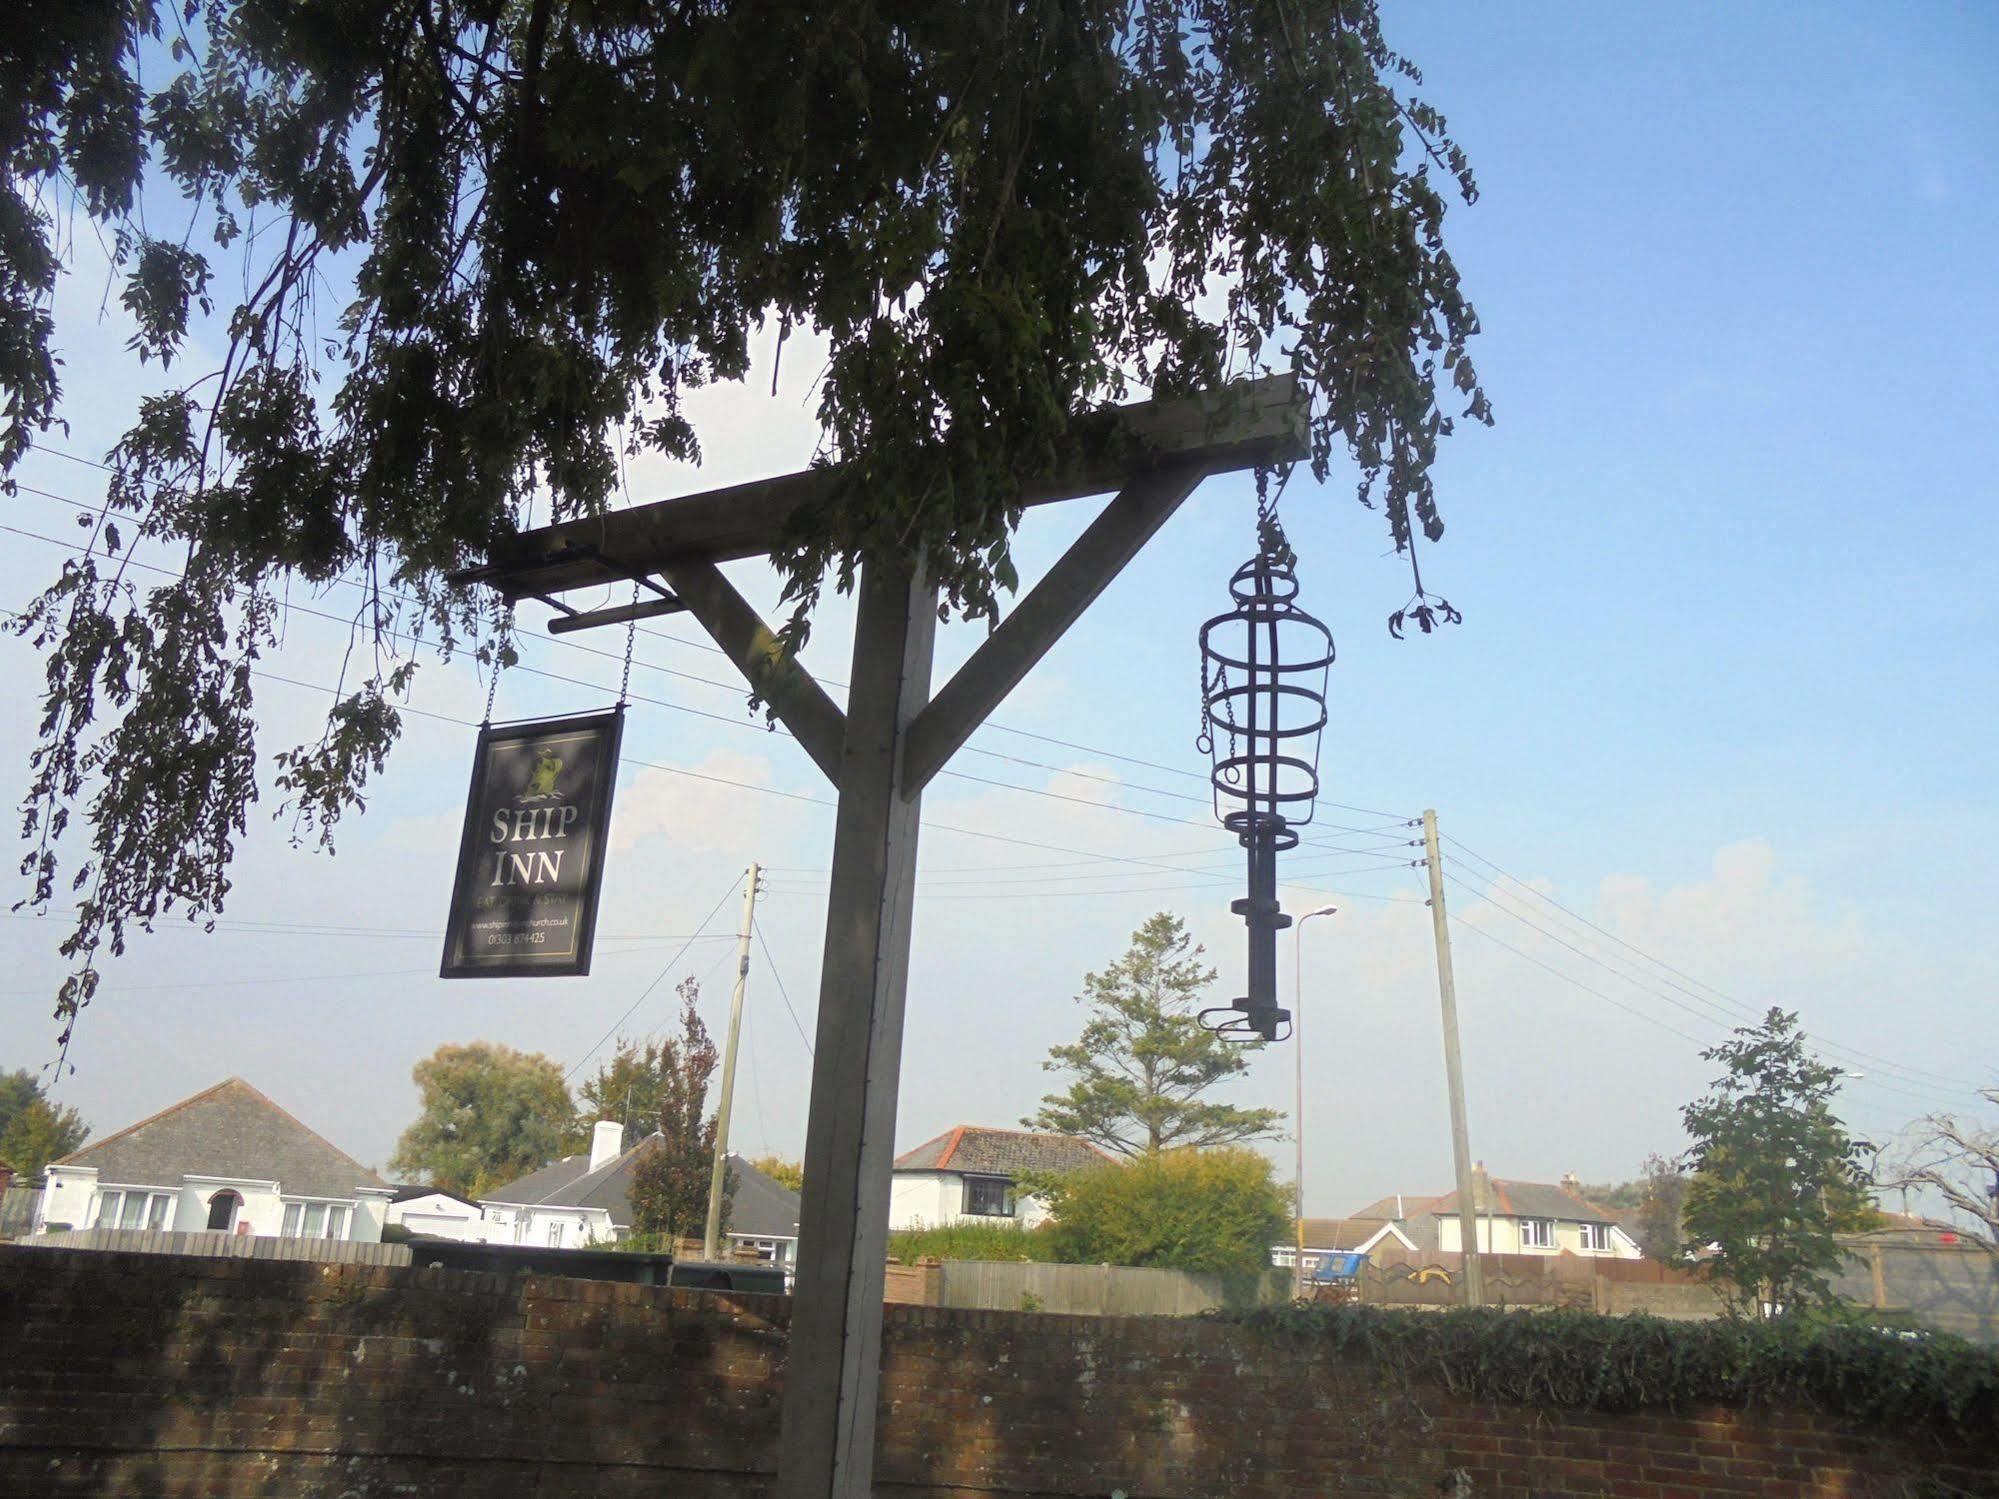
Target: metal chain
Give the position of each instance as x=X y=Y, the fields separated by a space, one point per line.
x=631 y=636
x=493 y=677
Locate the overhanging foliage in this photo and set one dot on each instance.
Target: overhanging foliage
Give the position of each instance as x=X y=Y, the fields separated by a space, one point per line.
x=486 y=246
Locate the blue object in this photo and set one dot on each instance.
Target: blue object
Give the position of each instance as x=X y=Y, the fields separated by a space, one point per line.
x=1342 y=1264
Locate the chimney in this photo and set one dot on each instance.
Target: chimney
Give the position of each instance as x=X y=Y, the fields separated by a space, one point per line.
x=1481 y=1188
x=1572 y=1183
x=607 y=1143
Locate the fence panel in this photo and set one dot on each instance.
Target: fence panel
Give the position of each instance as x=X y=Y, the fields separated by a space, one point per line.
x=223 y=1246
x=1099 y=1290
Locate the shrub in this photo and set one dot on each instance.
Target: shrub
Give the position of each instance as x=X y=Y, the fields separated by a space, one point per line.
x=1217 y=1211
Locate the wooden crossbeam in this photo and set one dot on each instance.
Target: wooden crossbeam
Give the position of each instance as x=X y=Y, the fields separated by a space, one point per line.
x=1243 y=425
x=1040 y=619
x=777 y=676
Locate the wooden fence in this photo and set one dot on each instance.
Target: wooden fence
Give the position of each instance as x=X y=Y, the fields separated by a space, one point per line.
x=222 y=1246
x=1099 y=1290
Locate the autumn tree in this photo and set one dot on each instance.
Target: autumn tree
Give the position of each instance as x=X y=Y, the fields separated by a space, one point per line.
x=459 y=260
x=34 y=1130
x=1775 y=1177
x=1138 y=1071
x=627 y=1088
x=488 y=1114
x=785 y=1172
x=669 y=1192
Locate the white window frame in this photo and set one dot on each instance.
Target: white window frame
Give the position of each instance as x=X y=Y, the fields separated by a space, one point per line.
x=556 y=1228
x=1537 y=1233
x=155 y=1208
x=320 y=1218
x=1596 y=1237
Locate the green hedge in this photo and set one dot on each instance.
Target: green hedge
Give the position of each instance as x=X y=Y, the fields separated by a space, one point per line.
x=1579 y=1360
x=969 y=1241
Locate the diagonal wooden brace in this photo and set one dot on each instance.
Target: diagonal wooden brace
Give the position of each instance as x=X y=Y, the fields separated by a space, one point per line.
x=774 y=674
x=1041 y=618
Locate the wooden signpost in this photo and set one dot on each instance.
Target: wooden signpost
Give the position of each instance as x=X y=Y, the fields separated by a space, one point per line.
x=879 y=754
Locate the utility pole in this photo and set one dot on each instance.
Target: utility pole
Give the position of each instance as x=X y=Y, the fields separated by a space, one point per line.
x=711 y=1238
x=1454 y=1068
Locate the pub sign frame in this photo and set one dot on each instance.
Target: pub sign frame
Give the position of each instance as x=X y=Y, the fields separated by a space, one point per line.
x=539 y=790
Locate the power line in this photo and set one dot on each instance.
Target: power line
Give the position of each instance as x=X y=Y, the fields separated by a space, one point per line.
x=1393 y=819
x=1648 y=1018
x=665 y=969
x=771 y=959
x=1721 y=1001
x=1866 y=1080
x=403 y=635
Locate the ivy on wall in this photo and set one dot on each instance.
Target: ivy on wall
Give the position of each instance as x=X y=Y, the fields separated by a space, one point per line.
x=1909 y=1382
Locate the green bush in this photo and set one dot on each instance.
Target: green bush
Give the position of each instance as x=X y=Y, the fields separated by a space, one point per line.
x=1216 y=1211
x=1579 y=1360
x=970 y=1241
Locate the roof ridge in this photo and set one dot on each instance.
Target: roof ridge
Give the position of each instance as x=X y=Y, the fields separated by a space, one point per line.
x=957 y=1139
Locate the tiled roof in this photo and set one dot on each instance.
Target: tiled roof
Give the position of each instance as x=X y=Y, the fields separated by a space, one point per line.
x=230 y=1130
x=1341 y=1233
x=1001 y=1152
x=1529 y=1200
x=412 y=1193
x=761 y=1209
x=1396 y=1208
x=1509 y=1200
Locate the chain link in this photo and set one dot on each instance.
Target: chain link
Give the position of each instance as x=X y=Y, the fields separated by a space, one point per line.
x=631 y=637
x=493 y=677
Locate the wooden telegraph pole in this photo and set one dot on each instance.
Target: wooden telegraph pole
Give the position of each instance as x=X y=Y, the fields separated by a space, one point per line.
x=718 y=1176
x=880 y=754
x=1454 y=1069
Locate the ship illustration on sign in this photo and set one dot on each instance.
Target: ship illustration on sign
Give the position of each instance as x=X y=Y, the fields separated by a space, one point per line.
x=541 y=786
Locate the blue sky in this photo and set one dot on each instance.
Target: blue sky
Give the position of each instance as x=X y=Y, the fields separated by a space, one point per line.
x=1724 y=686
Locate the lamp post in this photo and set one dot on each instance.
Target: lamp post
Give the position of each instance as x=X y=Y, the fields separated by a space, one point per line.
x=1298 y=1066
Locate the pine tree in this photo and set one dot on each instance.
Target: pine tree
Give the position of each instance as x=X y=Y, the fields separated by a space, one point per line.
x=1144 y=1059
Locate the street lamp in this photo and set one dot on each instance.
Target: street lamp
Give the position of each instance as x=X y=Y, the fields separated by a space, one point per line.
x=1298 y=1065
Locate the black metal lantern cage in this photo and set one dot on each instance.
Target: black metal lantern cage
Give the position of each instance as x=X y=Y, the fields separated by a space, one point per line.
x=1264 y=667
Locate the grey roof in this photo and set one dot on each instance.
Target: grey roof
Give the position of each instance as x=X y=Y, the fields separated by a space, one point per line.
x=230 y=1130
x=1001 y=1152
x=1509 y=1200
x=762 y=1209
x=413 y=1192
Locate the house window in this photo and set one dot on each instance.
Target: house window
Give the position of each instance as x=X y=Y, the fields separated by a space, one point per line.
x=1596 y=1236
x=315 y=1220
x=1537 y=1233
x=988 y=1197
x=555 y=1234
x=127 y=1209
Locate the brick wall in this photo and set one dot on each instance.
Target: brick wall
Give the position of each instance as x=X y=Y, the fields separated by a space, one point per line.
x=153 y=1375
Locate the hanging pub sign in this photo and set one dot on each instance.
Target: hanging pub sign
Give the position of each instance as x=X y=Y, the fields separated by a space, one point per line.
x=531 y=859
